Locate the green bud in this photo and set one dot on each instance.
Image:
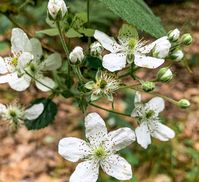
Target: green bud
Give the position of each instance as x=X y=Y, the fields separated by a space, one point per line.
x=148 y=86
x=183 y=103
x=186 y=39
x=164 y=75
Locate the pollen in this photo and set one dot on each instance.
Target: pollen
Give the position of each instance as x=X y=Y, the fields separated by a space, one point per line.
x=14 y=61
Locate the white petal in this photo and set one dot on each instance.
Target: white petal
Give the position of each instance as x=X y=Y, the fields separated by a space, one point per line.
x=20 y=41
x=121 y=138
x=19 y=83
x=107 y=42
x=162 y=132
x=2 y=108
x=53 y=62
x=87 y=171
x=147 y=61
x=116 y=166
x=73 y=149
x=24 y=59
x=96 y=130
x=34 y=112
x=156 y=104
x=36 y=48
x=143 y=135
x=42 y=81
x=3 y=67
x=114 y=62
x=5 y=78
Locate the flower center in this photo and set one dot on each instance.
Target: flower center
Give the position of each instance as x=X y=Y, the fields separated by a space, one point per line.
x=99 y=152
x=149 y=114
x=132 y=43
x=14 y=61
x=12 y=113
x=103 y=84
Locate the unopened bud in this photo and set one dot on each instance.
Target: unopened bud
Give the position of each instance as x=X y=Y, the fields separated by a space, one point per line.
x=177 y=56
x=164 y=74
x=174 y=35
x=148 y=86
x=183 y=103
x=186 y=39
x=57 y=8
x=96 y=49
x=77 y=55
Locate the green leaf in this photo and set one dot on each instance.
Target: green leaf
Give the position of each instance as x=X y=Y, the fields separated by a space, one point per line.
x=137 y=13
x=50 y=32
x=79 y=20
x=72 y=33
x=88 y=32
x=47 y=116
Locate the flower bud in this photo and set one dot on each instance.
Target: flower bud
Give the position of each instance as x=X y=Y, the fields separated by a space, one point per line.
x=148 y=86
x=96 y=49
x=177 y=56
x=174 y=35
x=57 y=8
x=164 y=75
x=161 y=47
x=77 y=55
x=183 y=103
x=186 y=39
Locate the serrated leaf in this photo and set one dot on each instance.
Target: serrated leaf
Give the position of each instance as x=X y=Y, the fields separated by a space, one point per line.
x=72 y=33
x=126 y=32
x=137 y=13
x=47 y=116
x=50 y=32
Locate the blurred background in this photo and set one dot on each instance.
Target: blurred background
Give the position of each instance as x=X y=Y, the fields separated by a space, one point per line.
x=31 y=156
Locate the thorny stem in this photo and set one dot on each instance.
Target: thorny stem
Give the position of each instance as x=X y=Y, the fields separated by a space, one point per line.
x=108 y=110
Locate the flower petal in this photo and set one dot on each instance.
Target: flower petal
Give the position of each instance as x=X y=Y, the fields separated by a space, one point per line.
x=114 y=62
x=107 y=42
x=121 y=138
x=96 y=130
x=19 y=83
x=3 y=67
x=162 y=132
x=5 y=78
x=147 y=61
x=42 y=81
x=143 y=135
x=34 y=112
x=53 y=62
x=24 y=59
x=116 y=166
x=73 y=149
x=36 y=49
x=87 y=171
x=156 y=104
x=2 y=108
x=20 y=41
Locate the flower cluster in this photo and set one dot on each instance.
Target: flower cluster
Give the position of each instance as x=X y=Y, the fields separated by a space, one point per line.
x=87 y=75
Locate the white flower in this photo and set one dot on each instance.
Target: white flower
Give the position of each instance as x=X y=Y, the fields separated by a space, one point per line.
x=129 y=48
x=174 y=35
x=54 y=6
x=77 y=54
x=15 y=114
x=147 y=115
x=98 y=151
x=105 y=85
x=96 y=49
x=26 y=59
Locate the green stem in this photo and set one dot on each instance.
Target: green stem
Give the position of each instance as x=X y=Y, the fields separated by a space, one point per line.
x=77 y=71
x=61 y=36
x=108 y=110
